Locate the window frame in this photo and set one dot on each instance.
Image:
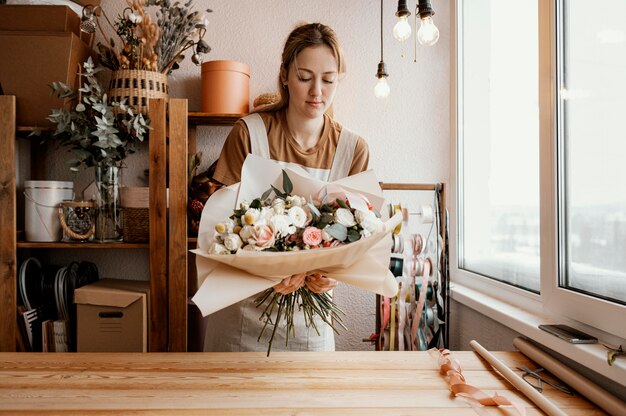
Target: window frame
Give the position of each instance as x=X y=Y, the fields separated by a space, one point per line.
x=553 y=301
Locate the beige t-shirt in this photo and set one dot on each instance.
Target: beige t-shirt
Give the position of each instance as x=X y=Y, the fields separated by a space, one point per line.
x=284 y=148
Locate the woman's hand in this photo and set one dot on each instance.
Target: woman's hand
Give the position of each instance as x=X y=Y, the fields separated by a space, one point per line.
x=318 y=283
x=290 y=284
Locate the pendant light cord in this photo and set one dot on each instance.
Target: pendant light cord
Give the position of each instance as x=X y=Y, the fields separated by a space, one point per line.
x=381 y=30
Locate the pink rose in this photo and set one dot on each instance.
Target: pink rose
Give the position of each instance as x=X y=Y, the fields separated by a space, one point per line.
x=262 y=237
x=312 y=236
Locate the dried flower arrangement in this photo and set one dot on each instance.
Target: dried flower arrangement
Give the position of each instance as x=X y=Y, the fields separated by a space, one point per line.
x=148 y=45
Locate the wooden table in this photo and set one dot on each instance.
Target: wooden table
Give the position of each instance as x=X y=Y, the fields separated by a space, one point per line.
x=340 y=383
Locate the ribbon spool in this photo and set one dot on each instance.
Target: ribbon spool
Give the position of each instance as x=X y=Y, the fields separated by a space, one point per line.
x=417 y=244
x=426 y=213
x=394 y=209
x=395 y=266
x=398 y=244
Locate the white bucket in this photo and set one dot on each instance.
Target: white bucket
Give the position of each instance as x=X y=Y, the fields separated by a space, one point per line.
x=41 y=208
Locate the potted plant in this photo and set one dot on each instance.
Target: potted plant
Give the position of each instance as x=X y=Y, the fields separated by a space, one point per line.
x=100 y=133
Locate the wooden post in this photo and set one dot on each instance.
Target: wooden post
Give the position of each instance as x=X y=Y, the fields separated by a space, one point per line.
x=159 y=323
x=177 y=244
x=8 y=256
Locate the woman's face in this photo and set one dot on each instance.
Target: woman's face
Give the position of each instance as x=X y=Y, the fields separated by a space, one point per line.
x=312 y=81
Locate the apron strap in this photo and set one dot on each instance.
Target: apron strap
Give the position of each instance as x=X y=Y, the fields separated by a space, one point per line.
x=344 y=155
x=259 y=144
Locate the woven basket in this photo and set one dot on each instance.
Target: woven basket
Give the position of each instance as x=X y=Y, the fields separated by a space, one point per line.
x=135 y=221
x=135 y=225
x=138 y=87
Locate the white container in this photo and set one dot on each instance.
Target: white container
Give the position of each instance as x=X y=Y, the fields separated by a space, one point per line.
x=41 y=208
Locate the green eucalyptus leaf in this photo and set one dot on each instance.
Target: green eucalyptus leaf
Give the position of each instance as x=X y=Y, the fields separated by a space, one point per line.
x=278 y=193
x=338 y=231
x=353 y=236
x=287 y=185
x=342 y=203
x=266 y=194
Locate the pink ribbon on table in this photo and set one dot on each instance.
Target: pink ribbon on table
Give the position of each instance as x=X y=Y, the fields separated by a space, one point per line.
x=451 y=368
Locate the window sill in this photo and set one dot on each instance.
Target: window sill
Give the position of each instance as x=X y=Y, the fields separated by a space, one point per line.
x=591 y=356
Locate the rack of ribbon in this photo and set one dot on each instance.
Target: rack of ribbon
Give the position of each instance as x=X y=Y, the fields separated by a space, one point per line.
x=417 y=317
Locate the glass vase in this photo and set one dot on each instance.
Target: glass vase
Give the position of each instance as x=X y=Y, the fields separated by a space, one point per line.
x=109 y=213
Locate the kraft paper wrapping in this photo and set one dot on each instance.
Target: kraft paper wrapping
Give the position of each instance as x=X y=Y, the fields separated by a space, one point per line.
x=227 y=279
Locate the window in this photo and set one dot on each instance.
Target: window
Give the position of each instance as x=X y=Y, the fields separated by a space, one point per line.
x=541 y=122
x=499 y=146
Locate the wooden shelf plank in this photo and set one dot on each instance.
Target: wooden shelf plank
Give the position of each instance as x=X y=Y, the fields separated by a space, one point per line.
x=207 y=119
x=61 y=245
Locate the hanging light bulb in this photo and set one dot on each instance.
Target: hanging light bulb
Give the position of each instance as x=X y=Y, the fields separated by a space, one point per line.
x=402 y=29
x=382 y=90
x=428 y=34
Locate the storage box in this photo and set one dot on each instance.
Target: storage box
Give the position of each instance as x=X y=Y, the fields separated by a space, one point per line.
x=112 y=315
x=30 y=62
x=38 y=18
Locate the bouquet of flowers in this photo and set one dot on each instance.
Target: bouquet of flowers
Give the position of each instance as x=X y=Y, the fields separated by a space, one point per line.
x=247 y=247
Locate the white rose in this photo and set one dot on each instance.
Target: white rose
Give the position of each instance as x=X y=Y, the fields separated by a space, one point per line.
x=283 y=225
x=230 y=225
x=217 y=248
x=298 y=216
x=296 y=201
x=244 y=205
x=344 y=216
x=233 y=242
x=246 y=232
x=266 y=216
x=278 y=205
x=326 y=236
x=369 y=221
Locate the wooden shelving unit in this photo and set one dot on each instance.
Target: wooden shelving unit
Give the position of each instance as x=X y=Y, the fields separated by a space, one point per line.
x=168 y=245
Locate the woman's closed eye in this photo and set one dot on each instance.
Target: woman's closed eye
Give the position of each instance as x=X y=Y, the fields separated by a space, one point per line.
x=326 y=81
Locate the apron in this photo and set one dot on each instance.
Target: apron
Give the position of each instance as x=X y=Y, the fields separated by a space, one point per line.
x=237 y=327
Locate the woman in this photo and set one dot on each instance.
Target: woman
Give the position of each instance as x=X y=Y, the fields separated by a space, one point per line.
x=296 y=130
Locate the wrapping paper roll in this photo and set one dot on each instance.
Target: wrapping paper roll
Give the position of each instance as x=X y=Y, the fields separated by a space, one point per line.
x=542 y=402
x=581 y=384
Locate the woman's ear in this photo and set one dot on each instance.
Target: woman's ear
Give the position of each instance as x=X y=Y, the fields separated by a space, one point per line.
x=283 y=76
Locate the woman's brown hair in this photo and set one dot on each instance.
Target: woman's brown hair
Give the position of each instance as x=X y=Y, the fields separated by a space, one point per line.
x=302 y=37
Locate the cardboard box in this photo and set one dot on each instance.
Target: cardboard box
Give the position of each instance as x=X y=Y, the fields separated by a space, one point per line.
x=30 y=62
x=42 y=18
x=112 y=315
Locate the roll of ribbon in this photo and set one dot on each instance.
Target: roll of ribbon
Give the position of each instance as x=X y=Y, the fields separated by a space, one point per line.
x=409 y=267
x=417 y=244
x=429 y=263
x=395 y=266
x=427 y=215
x=398 y=244
x=396 y=209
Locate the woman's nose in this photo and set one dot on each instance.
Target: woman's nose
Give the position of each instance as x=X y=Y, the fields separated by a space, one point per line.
x=316 y=87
